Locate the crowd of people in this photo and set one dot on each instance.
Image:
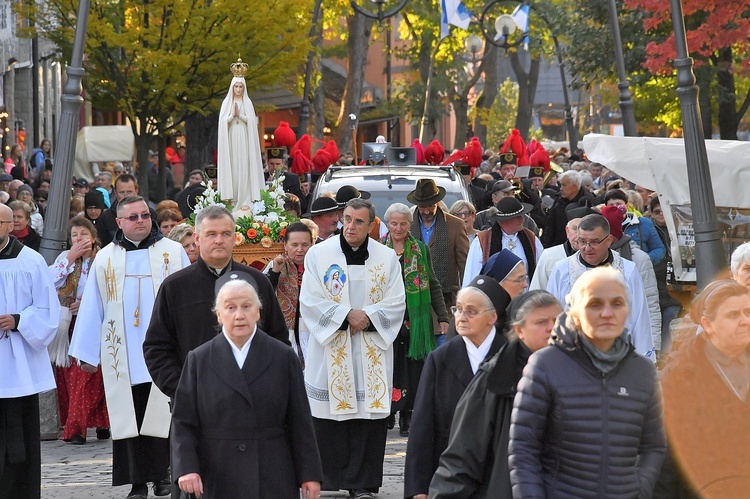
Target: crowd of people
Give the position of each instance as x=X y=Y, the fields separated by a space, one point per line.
x=520 y=340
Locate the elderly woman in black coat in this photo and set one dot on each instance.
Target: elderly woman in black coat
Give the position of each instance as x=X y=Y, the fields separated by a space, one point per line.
x=480 y=319
x=586 y=419
x=241 y=424
x=475 y=463
x=706 y=410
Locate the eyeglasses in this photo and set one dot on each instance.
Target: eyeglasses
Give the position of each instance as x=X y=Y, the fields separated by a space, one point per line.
x=592 y=244
x=134 y=218
x=656 y=212
x=470 y=313
x=520 y=280
x=462 y=214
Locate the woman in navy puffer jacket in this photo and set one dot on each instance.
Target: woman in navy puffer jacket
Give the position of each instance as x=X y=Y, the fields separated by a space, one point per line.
x=587 y=419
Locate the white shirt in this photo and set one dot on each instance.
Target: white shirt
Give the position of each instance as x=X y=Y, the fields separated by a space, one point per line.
x=240 y=354
x=478 y=353
x=474 y=261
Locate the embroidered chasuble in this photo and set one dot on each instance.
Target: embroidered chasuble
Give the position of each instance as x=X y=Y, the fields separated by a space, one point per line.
x=111 y=326
x=350 y=376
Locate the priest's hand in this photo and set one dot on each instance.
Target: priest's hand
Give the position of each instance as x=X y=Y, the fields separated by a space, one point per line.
x=7 y=322
x=311 y=490
x=192 y=484
x=88 y=367
x=358 y=320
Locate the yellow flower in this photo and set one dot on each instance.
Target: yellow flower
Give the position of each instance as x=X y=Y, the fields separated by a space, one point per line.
x=238 y=239
x=266 y=242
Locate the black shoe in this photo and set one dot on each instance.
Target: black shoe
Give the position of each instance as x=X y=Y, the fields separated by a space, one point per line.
x=391 y=421
x=103 y=434
x=404 y=422
x=78 y=440
x=363 y=494
x=139 y=491
x=162 y=488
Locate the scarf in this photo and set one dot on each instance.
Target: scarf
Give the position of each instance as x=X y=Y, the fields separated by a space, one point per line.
x=416 y=269
x=358 y=257
x=606 y=361
x=21 y=234
x=287 y=292
x=67 y=293
x=441 y=250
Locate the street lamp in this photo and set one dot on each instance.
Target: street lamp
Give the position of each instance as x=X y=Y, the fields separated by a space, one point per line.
x=626 y=99
x=381 y=15
x=505 y=25
x=709 y=252
x=473 y=45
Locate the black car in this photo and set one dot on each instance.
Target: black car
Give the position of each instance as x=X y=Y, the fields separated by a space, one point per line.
x=390 y=184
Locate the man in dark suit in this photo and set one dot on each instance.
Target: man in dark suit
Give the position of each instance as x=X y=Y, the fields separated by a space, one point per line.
x=443 y=233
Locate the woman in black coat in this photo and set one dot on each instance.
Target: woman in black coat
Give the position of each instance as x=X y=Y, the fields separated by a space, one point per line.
x=475 y=463
x=446 y=374
x=241 y=424
x=586 y=420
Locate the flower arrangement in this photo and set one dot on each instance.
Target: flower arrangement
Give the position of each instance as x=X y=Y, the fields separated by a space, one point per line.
x=265 y=224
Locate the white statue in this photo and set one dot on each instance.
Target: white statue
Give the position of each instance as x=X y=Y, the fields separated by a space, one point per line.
x=240 y=166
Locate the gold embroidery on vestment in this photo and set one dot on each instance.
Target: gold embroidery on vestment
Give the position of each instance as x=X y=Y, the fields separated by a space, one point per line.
x=377 y=386
x=113 y=345
x=341 y=387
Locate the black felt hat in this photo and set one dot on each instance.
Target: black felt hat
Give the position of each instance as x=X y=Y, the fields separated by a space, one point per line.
x=510 y=207
x=276 y=152
x=348 y=192
x=508 y=158
x=322 y=205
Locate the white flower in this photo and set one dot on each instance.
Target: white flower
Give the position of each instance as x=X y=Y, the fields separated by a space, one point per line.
x=272 y=217
x=258 y=208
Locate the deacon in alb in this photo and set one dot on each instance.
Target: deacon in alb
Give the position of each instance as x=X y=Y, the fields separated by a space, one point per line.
x=112 y=321
x=29 y=312
x=352 y=301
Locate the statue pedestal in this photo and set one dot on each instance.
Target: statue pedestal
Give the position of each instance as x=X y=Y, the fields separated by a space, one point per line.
x=256 y=255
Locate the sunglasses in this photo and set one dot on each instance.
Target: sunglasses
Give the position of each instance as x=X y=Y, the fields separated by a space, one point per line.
x=134 y=218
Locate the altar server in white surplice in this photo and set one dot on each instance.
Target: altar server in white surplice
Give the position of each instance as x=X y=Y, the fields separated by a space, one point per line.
x=29 y=313
x=352 y=301
x=112 y=320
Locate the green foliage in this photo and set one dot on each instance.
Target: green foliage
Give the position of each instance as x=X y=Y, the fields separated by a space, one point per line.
x=500 y=118
x=158 y=61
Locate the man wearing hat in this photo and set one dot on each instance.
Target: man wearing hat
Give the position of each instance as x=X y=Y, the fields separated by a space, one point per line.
x=81 y=186
x=506 y=167
x=5 y=179
x=276 y=162
x=531 y=193
x=348 y=192
x=507 y=232
x=325 y=213
x=443 y=233
x=487 y=218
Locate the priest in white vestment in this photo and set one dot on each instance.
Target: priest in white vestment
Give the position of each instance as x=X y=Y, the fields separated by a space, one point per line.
x=352 y=301
x=29 y=313
x=112 y=320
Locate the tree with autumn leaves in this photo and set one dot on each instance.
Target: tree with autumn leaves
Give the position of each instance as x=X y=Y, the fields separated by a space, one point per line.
x=162 y=61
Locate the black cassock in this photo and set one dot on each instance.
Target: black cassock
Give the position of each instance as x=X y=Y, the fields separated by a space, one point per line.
x=446 y=374
x=248 y=432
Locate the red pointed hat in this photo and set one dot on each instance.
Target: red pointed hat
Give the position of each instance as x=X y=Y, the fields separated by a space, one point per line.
x=321 y=161
x=300 y=164
x=453 y=158
x=333 y=150
x=540 y=158
x=284 y=136
x=416 y=144
x=434 y=153
x=532 y=146
x=473 y=153
x=515 y=144
x=303 y=145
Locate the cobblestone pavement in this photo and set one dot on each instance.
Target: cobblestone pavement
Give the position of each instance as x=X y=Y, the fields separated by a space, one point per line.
x=83 y=471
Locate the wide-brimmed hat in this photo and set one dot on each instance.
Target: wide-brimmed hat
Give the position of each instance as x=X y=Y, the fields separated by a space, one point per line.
x=502 y=186
x=348 y=192
x=426 y=193
x=322 y=205
x=511 y=207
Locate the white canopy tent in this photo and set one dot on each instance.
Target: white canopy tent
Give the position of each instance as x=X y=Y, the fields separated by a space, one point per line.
x=659 y=164
x=101 y=144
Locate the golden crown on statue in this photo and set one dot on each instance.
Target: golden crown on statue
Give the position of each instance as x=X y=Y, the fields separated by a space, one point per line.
x=239 y=68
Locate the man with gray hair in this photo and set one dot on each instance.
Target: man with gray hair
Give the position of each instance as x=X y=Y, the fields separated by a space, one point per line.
x=571 y=192
x=182 y=319
x=104 y=180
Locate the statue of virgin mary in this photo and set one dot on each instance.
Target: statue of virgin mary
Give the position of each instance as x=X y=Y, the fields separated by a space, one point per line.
x=240 y=166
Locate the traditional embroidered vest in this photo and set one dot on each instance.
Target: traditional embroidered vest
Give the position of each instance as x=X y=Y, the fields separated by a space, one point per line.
x=491 y=242
x=165 y=257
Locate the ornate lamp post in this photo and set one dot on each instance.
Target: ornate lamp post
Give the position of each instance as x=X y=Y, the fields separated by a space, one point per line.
x=380 y=15
x=626 y=99
x=58 y=206
x=505 y=25
x=709 y=252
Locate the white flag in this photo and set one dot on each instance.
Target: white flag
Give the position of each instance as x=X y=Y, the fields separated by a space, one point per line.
x=521 y=17
x=453 y=12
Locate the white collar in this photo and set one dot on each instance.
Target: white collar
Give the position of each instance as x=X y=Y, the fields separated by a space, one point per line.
x=478 y=353
x=135 y=243
x=509 y=236
x=240 y=354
